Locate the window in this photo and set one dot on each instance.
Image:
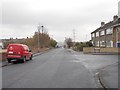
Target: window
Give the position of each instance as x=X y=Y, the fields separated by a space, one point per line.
x=109 y=31
x=109 y=43
x=102 y=33
x=102 y=43
x=97 y=34
x=93 y=34
x=97 y=43
x=93 y=43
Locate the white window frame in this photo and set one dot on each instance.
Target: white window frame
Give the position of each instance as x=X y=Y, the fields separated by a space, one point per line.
x=102 y=33
x=97 y=34
x=97 y=43
x=109 y=31
x=93 y=34
x=111 y=44
x=101 y=43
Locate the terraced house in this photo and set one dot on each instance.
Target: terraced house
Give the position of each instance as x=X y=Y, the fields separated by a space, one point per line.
x=107 y=35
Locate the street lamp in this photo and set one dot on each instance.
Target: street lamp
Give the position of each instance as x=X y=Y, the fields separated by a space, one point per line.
x=42 y=42
x=42 y=28
x=38 y=37
x=39 y=27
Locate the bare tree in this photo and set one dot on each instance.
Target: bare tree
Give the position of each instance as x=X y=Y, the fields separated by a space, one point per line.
x=69 y=42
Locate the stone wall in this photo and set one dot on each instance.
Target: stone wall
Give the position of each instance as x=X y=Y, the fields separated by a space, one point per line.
x=101 y=50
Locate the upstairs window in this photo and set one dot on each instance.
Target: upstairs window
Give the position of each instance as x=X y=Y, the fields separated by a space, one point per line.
x=109 y=31
x=97 y=34
x=102 y=33
x=93 y=34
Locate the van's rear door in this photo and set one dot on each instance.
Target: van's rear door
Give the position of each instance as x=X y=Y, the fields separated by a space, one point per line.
x=14 y=49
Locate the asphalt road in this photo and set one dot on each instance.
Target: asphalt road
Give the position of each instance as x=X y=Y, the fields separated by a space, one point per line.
x=59 y=68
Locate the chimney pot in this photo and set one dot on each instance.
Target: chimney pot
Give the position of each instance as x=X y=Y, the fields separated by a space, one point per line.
x=102 y=24
x=115 y=17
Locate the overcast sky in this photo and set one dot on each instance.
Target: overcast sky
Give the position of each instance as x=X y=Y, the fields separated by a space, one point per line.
x=21 y=17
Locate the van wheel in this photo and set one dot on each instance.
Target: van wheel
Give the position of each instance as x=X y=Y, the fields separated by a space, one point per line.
x=24 y=59
x=9 y=60
x=14 y=62
x=31 y=57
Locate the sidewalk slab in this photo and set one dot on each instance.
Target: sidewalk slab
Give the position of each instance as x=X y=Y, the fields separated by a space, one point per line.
x=5 y=63
x=109 y=76
x=102 y=53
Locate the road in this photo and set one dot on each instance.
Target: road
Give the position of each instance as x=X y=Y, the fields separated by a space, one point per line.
x=58 y=68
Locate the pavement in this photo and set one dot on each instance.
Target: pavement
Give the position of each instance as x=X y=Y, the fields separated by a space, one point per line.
x=5 y=63
x=109 y=76
x=102 y=53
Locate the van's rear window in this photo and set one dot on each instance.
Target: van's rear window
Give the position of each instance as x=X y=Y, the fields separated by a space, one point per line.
x=14 y=48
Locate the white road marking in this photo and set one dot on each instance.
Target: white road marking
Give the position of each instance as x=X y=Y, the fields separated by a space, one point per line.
x=76 y=61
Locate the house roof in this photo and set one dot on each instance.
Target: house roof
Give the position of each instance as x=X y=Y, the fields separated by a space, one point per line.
x=108 y=25
x=118 y=20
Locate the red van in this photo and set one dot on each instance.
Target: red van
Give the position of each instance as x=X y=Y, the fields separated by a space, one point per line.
x=18 y=52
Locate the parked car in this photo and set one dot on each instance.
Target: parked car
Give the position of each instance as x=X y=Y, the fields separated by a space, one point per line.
x=18 y=52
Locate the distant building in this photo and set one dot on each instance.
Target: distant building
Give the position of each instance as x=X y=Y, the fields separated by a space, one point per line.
x=107 y=35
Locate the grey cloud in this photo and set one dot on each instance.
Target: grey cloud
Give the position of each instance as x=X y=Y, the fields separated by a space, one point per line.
x=119 y=9
x=20 y=14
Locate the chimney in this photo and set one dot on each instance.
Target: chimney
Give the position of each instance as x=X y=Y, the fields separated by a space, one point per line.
x=115 y=17
x=102 y=24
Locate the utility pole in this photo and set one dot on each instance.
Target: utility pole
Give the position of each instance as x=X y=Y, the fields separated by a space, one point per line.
x=42 y=38
x=74 y=36
x=38 y=37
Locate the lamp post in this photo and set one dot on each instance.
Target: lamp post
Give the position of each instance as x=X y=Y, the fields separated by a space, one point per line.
x=38 y=37
x=42 y=42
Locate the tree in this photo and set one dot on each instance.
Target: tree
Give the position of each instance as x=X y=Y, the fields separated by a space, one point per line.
x=53 y=43
x=69 y=42
x=80 y=45
x=89 y=44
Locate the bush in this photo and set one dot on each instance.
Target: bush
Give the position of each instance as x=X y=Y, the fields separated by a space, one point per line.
x=79 y=45
x=53 y=43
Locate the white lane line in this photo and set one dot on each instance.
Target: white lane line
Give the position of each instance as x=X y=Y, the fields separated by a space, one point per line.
x=76 y=61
